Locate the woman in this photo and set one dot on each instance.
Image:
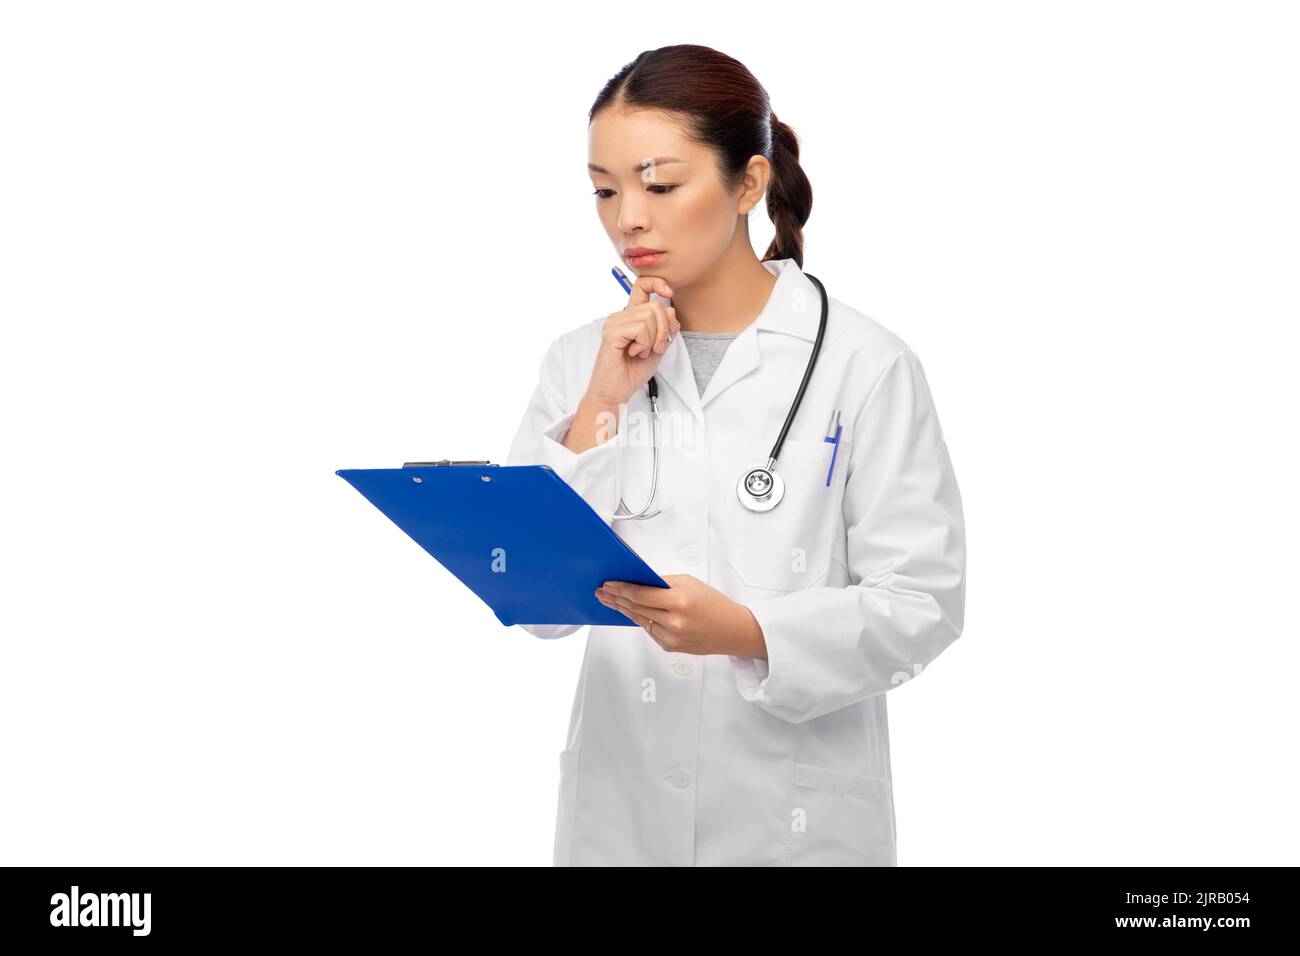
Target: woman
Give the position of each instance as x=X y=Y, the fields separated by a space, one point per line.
x=739 y=718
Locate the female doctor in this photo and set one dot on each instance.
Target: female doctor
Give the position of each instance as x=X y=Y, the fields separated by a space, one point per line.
x=739 y=717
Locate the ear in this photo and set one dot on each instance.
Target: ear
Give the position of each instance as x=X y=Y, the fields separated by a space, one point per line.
x=753 y=184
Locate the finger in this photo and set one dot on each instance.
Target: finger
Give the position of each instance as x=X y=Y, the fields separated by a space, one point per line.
x=639 y=612
x=644 y=336
x=661 y=327
x=624 y=604
x=665 y=329
x=640 y=615
x=608 y=599
x=629 y=608
x=642 y=288
x=644 y=595
x=656 y=325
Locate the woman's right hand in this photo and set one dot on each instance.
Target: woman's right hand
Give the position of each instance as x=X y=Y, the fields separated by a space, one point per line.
x=634 y=343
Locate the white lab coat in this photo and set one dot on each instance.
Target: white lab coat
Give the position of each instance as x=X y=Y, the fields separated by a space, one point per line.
x=679 y=759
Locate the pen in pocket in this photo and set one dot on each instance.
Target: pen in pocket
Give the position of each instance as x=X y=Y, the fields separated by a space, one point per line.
x=833 y=426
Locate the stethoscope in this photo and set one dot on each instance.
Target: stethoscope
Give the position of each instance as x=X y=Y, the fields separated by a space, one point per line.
x=759 y=489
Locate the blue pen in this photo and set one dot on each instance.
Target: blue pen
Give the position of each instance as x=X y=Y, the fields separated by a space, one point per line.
x=622 y=280
x=835 y=422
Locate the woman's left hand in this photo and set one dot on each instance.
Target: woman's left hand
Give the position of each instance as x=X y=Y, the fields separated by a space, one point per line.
x=688 y=616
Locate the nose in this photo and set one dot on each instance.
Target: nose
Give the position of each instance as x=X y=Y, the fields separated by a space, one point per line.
x=631 y=216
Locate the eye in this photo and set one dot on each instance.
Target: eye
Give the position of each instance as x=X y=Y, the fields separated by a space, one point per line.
x=666 y=189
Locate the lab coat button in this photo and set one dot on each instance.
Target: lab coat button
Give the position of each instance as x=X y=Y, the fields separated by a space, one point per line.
x=682 y=667
x=679 y=778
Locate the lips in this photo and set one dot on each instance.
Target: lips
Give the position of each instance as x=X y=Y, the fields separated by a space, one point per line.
x=638 y=256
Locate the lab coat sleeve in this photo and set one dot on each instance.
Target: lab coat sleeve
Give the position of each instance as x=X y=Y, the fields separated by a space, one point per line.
x=539 y=440
x=828 y=647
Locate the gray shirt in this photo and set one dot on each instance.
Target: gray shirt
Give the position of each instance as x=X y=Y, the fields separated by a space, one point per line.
x=705 y=350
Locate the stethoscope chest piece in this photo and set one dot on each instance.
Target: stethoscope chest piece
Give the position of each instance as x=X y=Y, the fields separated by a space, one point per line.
x=760 y=489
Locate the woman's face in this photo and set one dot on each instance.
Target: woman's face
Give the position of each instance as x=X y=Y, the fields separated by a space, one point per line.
x=656 y=189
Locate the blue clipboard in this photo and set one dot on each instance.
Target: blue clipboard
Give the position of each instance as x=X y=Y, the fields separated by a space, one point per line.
x=516 y=535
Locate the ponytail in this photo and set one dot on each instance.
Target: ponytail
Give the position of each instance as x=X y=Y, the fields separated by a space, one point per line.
x=789 y=195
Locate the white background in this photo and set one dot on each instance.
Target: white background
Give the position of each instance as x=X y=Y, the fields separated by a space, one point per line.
x=247 y=244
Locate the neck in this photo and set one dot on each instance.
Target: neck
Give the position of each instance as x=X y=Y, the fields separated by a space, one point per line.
x=729 y=297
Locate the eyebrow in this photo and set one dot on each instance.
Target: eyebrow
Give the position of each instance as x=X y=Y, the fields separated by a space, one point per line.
x=657 y=161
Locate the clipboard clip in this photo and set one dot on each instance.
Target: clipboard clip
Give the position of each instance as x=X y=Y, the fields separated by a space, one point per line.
x=445 y=461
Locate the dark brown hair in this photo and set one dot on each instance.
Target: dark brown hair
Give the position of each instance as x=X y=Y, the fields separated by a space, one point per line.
x=723 y=107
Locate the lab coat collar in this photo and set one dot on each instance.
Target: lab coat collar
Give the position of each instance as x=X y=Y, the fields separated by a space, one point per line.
x=793 y=308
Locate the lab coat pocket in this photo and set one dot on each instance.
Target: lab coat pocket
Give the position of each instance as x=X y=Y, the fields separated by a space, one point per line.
x=789 y=547
x=567 y=805
x=841 y=818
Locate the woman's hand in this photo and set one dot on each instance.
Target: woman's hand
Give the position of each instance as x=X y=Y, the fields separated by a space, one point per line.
x=634 y=341
x=688 y=616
